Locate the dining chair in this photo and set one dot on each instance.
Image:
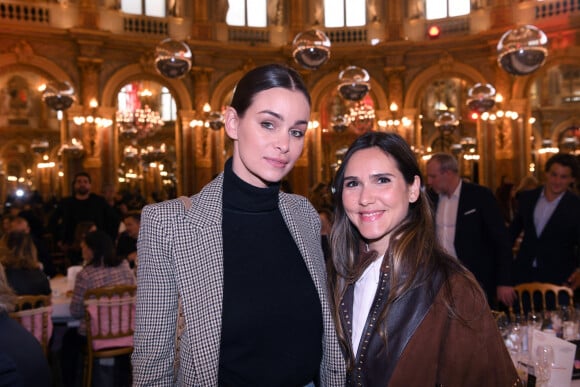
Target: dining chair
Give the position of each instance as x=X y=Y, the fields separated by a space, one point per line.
x=110 y=319
x=34 y=313
x=549 y=296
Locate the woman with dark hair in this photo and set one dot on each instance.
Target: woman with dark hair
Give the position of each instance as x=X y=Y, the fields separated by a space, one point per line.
x=22 y=361
x=101 y=268
x=242 y=259
x=407 y=313
x=24 y=272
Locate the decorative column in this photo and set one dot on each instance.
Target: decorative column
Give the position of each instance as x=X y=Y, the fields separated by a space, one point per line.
x=201 y=27
x=91 y=136
x=184 y=155
x=395 y=17
x=202 y=136
x=394 y=87
x=88 y=14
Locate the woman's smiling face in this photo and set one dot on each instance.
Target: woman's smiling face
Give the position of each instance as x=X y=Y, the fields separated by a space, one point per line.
x=376 y=196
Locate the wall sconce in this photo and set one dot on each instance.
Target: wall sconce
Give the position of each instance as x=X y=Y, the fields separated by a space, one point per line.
x=498 y=113
x=548 y=147
x=73 y=149
x=211 y=119
x=93 y=122
x=395 y=123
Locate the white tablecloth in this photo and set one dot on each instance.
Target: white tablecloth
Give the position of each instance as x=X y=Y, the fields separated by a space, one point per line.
x=61 y=301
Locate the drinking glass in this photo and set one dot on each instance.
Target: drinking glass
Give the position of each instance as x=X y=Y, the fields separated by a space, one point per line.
x=543 y=364
x=535 y=320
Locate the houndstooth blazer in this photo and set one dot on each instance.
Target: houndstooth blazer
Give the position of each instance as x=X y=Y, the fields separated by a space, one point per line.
x=181 y=251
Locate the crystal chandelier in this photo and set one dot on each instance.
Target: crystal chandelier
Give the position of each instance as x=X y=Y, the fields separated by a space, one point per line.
x=139 y=124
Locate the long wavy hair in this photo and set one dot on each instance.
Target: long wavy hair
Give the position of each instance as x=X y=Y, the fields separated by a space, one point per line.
x=19 y=251
x=414 y=255
x=7 y=295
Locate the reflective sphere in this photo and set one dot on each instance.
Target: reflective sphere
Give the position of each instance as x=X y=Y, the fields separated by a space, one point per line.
x=215 y=120
x=172 y=58
x=39 y=146
x=481 y=97
x=522 y=50
x=311 y=49
x=446 y=122
x=354 y=83
x=58 y=95
x=340 y=123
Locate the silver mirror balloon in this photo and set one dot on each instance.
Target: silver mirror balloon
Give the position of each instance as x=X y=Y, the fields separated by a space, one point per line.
x=58 y=95
x=311 y=49
x=340 y=123
x=522 y=50
x=215 y=120
x=354 y=83
x=446 y=122
x=172 y=58
x=481 y=97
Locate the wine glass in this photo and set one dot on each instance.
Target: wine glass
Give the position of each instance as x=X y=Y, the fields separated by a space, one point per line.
x=535 y=320
x=543 y=364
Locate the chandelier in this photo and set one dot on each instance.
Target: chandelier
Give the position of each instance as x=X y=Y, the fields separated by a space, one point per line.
x=139 y=124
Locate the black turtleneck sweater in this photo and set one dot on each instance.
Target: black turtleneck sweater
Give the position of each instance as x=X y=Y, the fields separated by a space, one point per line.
x=272 y=318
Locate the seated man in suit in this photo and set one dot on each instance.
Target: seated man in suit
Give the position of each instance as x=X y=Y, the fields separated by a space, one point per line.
x=549 y=217
x=470 y=226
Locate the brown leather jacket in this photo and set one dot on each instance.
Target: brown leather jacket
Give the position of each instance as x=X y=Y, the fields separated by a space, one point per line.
x=427 y=347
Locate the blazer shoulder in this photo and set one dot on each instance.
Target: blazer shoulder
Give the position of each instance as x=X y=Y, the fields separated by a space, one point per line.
x=295 y=200
x=476 y=189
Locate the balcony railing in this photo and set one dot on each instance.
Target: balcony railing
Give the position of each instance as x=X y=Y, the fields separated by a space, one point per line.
x=557 y=8
x=145 y=25
x=347 y=35
x=24 y=13
x=248 y=35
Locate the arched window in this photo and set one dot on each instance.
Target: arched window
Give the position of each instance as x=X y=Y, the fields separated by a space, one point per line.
x=438 y=9
x=344 y=13
x=155 y=8
x=247 y=13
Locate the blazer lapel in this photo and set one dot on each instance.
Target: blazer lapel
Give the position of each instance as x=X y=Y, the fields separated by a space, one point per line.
x=199 y=254
x=557 y=215
x=297 y=224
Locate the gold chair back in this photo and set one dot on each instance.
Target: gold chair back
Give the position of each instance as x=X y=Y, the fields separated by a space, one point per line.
x=110 y=318
x=528 y=290
x=34 y=312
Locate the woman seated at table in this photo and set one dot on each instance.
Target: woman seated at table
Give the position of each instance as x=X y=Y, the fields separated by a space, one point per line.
x=22 y=362
x=102 y=268
x=23 y=270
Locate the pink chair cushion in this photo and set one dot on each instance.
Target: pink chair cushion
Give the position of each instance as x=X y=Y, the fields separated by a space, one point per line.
x=31 y=320
x=115 y=315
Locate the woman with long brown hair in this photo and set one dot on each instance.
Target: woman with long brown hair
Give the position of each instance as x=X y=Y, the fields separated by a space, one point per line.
x=407 y=313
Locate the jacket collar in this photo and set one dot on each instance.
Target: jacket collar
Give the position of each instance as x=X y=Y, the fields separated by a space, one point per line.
x=404 y=317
